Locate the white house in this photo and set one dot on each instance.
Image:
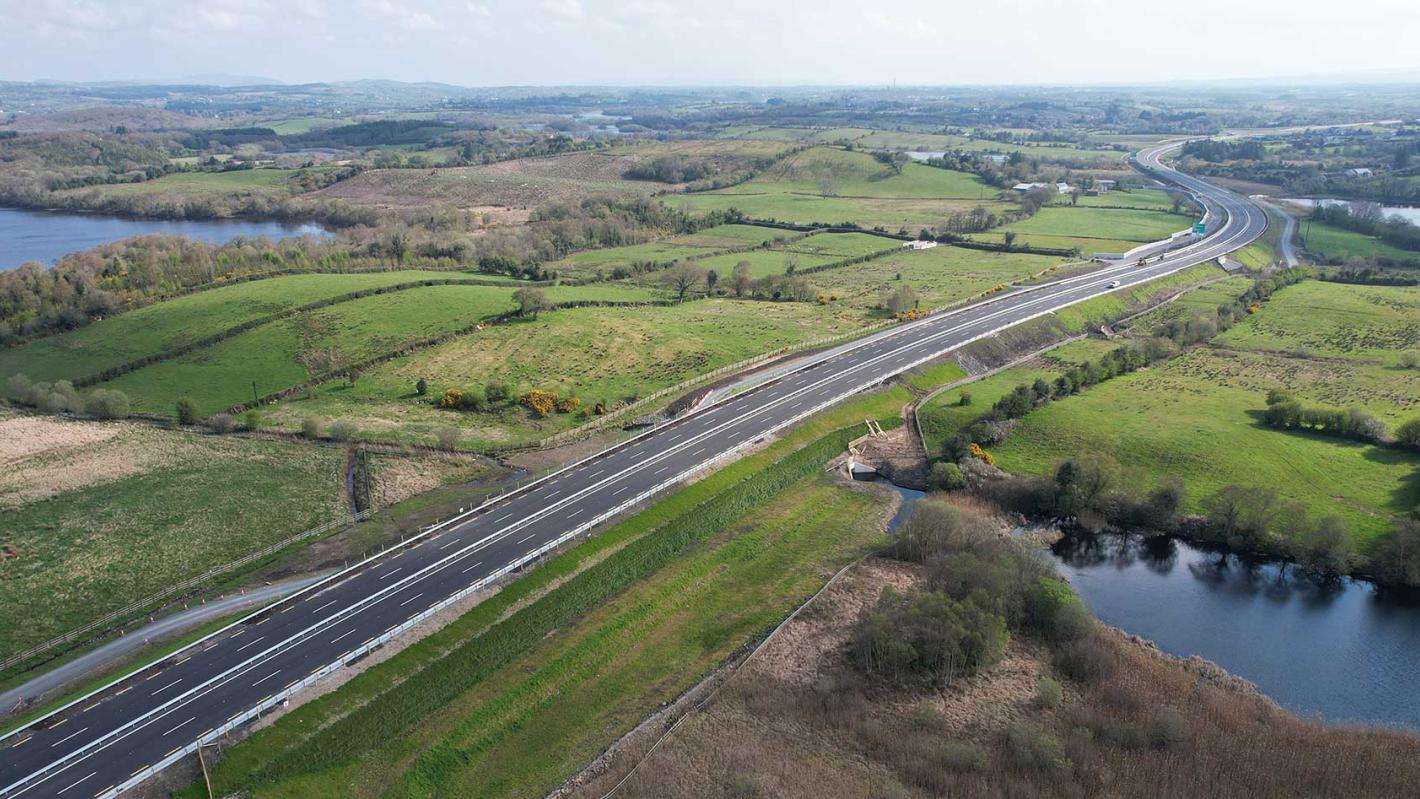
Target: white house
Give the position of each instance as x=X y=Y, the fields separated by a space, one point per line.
x=1359 y=172
x=1025 y=187
x=1063 y=188
x=1106 y=185
x=919 y=245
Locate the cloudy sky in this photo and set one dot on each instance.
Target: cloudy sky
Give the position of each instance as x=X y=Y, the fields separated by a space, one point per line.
x=669 y=42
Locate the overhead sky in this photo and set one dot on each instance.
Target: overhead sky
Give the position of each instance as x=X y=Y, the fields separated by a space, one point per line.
x=663 y=42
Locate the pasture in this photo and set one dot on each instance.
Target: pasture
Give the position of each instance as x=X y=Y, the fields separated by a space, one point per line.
x=161 y=326
x=1337 y=244
x=264 y=360
x=196 y=186
x=528 y=182
x=596 y=354
x=830 y=186
x=942 y=275
x=100 y=515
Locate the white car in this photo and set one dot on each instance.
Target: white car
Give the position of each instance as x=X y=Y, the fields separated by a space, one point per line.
x=1113 y=284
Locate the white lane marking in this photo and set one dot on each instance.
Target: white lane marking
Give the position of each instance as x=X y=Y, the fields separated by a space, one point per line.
x=452 y=540
x=471 y=568
x=267 y=677
x=504 y=516
x=1058 y=295
x=342 y=635
x=697 y=452
x=67 y=737
x=323 y=607
x=166 y=687
x=658 y=471
x=407 y=601
x=553 y=494
x=390 y=572
x=75 y=782
x=526 y=537
x=249 y=643
x=575 y=512
x=597 y=472
x=169 y=731
x=619 y=490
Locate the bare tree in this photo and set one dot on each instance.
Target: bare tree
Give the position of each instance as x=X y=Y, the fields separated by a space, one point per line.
x=682 y=277
x=741 y=278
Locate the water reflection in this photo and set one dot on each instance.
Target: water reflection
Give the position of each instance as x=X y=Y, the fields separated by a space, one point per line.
x=1339 y=648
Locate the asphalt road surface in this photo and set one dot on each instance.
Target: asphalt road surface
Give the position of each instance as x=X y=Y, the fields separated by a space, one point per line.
x=123 y=733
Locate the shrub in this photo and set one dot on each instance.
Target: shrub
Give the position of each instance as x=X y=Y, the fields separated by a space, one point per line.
x=421 y=387
x=186 y=411
x=251 y=420
x=947 y=476
x=106 y=403
x=964 y=399
x=1047 y=693
x=963 y=756
x=929 y=637
x=1028 y=747
x=452 y=398
x=1084 y=660
x=1166 y=728
x=17 y=388
x=497 y=392
x=568 y=404
x=221 y=423
x=472 y=400
x=311 y=427
x=1408 y=433
x=538 y=401
x=448 y=438
x=976 y=451
x=1056 y=610
x=342 y=430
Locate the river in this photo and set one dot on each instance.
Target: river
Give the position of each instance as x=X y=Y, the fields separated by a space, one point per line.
x=1340 y=651
x=44 y=236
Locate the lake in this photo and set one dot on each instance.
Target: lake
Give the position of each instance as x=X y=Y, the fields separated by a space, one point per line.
x=1339 y=650
x=1411 y=214
x=44 y=236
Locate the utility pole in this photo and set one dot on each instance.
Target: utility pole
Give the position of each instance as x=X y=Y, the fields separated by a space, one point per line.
x=255 y=400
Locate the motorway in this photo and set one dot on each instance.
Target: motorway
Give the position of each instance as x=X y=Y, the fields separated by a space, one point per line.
x=121 y=734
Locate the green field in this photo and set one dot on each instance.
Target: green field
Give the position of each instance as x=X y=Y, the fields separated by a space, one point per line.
x=941 y=275
x=1197 y=417
x=722 y=237
x=826 y=185
x=202 y=185
x=602 y=354
x=762 y=263
x=146 y=509
x=223 y=374
x=1359 y=323
x=297 y=125
x=1334 y=243
x=1088 y=223
x=1157 y=199
x=164 y=325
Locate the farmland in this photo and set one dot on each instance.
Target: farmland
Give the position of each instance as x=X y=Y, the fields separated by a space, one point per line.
x=941 y=275
x=694 y=245
x=264 y=360
x=1197 y=417
x=100 y=514
x=1092 y=225
x=603 y=354
x=827 y=185
x=523 y=183
x=1338 y=244
x=162 y=326
x=197 y=186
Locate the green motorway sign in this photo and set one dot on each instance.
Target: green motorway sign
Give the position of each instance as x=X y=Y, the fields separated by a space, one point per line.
x=1199 y=228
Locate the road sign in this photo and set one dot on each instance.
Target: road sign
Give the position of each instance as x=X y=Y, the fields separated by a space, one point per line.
x=1199 y=228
